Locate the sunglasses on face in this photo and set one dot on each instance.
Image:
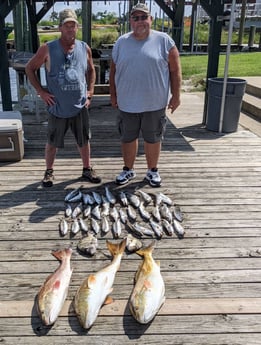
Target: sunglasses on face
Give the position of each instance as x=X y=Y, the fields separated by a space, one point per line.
x=138 y=18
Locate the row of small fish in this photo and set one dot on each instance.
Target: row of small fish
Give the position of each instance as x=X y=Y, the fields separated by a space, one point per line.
x=169 y=225
x=77 y=195
x=124 y=197
x=147 y=296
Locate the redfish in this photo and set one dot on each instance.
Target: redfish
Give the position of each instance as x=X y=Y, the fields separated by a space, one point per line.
x=95 y=290
x=148 y=293
x=53 y=292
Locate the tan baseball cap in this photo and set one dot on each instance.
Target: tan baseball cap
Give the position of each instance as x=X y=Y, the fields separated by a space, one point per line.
x=67 y=15
x=140 y=7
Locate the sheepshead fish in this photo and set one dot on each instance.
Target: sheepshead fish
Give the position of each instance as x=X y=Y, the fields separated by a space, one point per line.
x=88 y=244
x=53 y=292
x=133 y=243
x=95 y=289
x=148 y=293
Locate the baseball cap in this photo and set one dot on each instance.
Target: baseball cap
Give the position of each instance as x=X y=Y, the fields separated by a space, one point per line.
x=140 y=7
x=67 y=15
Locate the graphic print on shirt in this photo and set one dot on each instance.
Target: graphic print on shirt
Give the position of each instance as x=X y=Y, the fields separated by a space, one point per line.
x=69 y=78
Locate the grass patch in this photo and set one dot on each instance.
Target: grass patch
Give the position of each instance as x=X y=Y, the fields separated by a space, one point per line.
x=194 y=67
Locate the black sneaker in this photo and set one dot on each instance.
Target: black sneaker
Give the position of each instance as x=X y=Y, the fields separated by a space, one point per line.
x=125 y=176
x=48 y=178
x=90 y=175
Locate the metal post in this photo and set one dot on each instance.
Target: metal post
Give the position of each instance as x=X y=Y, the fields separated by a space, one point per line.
x=242 y=23
x=251 y=38
x=230 y=31
x=86 y=22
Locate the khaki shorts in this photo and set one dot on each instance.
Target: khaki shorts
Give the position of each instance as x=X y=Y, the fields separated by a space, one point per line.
x=79 y=125
x=151 y=124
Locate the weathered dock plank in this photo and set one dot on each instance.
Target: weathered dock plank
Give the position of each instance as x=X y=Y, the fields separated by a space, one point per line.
x=212 y=275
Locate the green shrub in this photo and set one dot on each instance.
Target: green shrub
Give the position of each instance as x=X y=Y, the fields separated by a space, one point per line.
x=99 y=37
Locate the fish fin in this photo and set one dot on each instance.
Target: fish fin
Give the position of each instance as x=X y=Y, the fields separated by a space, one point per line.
x=61 y=254
x=116 y=249
x=147 y=250
x=136 y=277
x=108 y=300
x=158 y=262
x=91 y=280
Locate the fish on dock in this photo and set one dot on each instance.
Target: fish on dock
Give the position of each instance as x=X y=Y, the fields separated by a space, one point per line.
x=148 y=294
x=123 y=198
x=63 y=227
x=179 y=229
x=68 y=210
x=83 y=225
x=133 y=243
x=97 y=197
x=74 y=196
x=88 y=244
x=75 y=227
x=111 y=198
x=96 y=288
x=145 y=196
x=177 y=213
x=157 y=228
x=53 y=292
x=77 y=211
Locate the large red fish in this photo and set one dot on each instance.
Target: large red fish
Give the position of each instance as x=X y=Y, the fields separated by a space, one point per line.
x=53 y=292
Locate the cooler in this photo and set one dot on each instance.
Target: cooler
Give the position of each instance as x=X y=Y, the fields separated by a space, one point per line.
x=11 y=136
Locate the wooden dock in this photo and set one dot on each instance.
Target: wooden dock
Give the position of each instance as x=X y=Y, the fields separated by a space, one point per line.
x=212 y=275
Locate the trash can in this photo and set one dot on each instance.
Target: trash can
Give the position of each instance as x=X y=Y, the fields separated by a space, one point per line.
x=235 y=90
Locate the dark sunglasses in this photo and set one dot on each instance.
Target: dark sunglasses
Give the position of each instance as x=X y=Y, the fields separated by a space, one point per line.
x=68 y=61
x=138 y=18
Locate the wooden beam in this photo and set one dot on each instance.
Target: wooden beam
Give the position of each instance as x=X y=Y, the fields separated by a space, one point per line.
x=4 y=70
x=198 y=306
x=7 y=6
x=215 y=10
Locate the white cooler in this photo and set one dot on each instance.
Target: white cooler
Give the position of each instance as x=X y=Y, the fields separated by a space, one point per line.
x=11 y=136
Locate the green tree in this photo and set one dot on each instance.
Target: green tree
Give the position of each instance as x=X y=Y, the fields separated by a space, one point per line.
x=78 y=12
x=54 y=16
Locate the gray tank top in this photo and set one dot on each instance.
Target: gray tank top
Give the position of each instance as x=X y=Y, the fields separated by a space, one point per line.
x=66 y=79
x=142 y=72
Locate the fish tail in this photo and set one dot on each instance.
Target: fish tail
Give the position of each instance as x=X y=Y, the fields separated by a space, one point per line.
x=147 y=250
x=62 y=254
x=116 y=248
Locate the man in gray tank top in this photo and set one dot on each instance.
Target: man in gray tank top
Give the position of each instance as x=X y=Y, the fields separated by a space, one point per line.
x=70 y=76
x=145 y=78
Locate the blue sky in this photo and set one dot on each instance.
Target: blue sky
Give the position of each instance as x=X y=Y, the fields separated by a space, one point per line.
x=98 y=6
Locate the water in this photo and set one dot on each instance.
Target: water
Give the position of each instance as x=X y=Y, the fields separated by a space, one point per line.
x=13 y=83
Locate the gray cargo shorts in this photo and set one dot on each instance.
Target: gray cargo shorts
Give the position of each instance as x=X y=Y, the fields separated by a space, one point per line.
x=151 y=124
x=79 y=125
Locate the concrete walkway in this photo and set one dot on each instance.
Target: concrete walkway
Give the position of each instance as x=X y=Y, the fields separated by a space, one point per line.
x=193 y=103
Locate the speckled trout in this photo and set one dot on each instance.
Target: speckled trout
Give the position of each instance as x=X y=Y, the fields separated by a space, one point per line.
x=53 y=292
x=95 y=290
x=148 y=293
